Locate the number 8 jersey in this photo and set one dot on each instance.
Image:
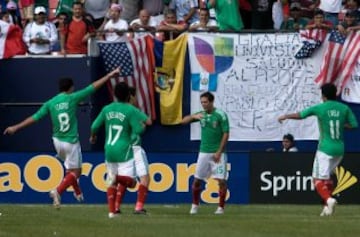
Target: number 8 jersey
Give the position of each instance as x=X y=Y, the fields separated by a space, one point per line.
x=62 y=110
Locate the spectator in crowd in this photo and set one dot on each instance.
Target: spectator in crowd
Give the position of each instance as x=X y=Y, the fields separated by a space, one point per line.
x=76 y=32
x=170 y=26
x=295 y=21
x=205 y=23
x=288 y=143
x=319 y=22
x=331 y=10
x=114 y=29
x=132 y=8
x=59 y=22
x=307 y=8
x=11 y=8
x=261 y=15
x=40 y=34
x=186 y=10
x=155 y=9
x=245 y=13
x=277 y=14
x=143 y=23
x=227 y=14
x=350 y=23
x=350 y=5
x=98 y=9
x=27 y=10
x=4 y=16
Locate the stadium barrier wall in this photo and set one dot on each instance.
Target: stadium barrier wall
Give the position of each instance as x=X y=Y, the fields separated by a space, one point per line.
x=260 y=177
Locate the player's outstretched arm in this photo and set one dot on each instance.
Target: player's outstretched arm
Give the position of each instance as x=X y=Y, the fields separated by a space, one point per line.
x=13 y=129
x=289 y=116
x=97 y=84
x=190 y=118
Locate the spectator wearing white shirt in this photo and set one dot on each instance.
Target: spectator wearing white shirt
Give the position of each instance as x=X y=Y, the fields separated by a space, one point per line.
x=143 y=23
x=204 y=23
x=115 y=27
x=40 y=34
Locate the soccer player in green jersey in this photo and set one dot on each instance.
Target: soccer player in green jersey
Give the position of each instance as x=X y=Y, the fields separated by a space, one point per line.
x=121 y=125
x=141 y=165
x=62 y=110
x=212 y=159
x=333 y=117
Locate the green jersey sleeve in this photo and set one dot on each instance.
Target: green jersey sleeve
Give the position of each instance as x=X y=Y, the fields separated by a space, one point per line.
x=352 y=119
x=82 y=94
x=98 y=122
x=42 y=112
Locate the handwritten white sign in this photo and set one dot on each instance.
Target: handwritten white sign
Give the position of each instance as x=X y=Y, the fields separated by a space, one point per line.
x=255 y=79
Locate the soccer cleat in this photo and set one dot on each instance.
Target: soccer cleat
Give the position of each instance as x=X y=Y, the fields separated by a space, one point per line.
x=112 y=215
x=56 y=198
x=140 y=212
x=194 y=209
x=325 y=211
x=331 y=202
x=219 y=211
x=79 y=198
x=118 y=211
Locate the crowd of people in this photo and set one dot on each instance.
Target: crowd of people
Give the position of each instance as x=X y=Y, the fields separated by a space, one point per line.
x=74 y=22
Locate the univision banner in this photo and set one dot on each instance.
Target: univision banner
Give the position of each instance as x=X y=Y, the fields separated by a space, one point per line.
x=286 y=178
x=255 y=78
x=28 y=177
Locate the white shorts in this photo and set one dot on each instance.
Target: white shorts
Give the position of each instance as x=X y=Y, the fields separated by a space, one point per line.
x=141 y=162
x=113 y=169
x=69 y=153
x=324 y=165
x=207 y=168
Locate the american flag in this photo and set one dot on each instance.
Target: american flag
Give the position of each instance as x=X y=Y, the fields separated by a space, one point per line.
x=312 y=39
x=135 y=59
x=339 y=59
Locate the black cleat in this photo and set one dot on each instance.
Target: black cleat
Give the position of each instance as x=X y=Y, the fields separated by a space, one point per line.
x=118 y=211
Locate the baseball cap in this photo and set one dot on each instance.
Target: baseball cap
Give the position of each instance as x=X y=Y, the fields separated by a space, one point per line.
x=11 y=5
x=295 y=6
x=115 y=6
x=351 y=13
x=39 y=10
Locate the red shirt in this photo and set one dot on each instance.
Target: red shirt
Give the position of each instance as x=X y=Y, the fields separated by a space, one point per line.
x=75 y=33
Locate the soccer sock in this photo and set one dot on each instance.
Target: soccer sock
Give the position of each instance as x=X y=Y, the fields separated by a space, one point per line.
x=125 y=180
x=68 y=180
x=222 y=197
x=75 y=185
x=110 y=194
x=196 y=195
x=330 y=185
x=322 y=189
x=141 y=198
x=121 y=189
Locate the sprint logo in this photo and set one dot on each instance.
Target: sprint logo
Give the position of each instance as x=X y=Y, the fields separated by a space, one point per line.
x=345 y=180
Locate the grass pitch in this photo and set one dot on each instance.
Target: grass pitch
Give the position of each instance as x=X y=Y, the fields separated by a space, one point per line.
x=174 y=221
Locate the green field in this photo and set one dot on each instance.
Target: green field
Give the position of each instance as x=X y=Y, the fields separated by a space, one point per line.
x=174 y=221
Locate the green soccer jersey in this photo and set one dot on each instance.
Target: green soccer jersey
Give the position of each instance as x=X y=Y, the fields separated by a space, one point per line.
x=213 y=126
x=332 y=116
x=62 y=110
x=227 y=15
x=121 y=121
x=141 y=117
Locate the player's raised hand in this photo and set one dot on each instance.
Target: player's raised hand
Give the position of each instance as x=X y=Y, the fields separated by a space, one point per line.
x=10 y=130
x=114 y=72
x=93 y=139
x=281 y=118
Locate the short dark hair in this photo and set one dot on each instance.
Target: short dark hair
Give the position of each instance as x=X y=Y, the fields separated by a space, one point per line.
x=328 y=90
x=65 y=84
x=78 y=3
x=208 y=95
x=289 y=137
x=318 y=11
x=132 y=91
x=122 y=92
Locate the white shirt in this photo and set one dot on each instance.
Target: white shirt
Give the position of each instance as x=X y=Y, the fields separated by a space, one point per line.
x=119 y=25
x=211 y=23
x=44 y=31
x=333 y=6
x=152 y=23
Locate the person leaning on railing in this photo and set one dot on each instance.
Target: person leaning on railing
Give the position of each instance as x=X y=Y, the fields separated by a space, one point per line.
x=204 y=23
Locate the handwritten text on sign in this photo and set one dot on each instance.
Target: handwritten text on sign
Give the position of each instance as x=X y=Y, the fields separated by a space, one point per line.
x=263 y=82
